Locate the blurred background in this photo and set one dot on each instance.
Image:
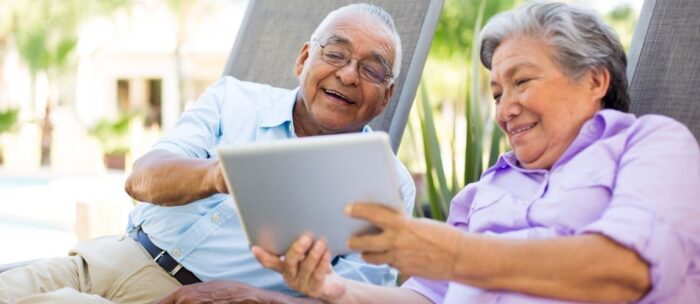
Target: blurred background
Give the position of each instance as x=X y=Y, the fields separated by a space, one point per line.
x=87 y=86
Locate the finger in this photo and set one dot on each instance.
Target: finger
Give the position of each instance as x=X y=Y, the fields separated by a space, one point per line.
x=313 y=258
x=267 y=259
x=319 y=276
x=377 y=214
x=378 y=258
x=297 y=253
x=369 y=243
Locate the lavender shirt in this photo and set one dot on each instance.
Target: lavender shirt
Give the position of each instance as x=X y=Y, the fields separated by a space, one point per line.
x=635 y=180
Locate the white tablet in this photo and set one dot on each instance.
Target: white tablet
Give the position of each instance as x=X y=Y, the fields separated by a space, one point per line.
x=288 y=187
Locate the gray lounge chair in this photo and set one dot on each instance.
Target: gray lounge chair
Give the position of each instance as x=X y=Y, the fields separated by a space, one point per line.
x=664 y=61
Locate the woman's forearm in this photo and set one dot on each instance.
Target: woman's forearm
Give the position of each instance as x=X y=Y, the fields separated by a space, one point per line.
x=588 y=268
x=358 y=292
x=168 y=179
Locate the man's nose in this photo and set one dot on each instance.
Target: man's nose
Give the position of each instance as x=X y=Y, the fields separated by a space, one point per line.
x=349 y=74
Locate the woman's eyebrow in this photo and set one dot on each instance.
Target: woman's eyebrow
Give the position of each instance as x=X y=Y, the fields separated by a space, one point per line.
x=514 y=68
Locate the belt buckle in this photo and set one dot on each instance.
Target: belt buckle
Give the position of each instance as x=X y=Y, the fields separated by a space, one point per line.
x=173 y=271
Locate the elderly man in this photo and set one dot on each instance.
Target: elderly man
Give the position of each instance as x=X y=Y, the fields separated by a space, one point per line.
x=189 y=227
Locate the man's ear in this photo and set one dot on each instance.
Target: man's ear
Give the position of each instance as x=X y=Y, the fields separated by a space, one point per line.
x=387 y=97
x=599 y=82
x=301 y=59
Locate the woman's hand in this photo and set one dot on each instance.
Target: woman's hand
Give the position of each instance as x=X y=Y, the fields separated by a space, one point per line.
x=306 y=267
x=420 y=247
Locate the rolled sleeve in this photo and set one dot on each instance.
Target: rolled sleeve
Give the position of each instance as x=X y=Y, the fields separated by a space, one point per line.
x=353 y=267
x=653 y=209
x=665 y=250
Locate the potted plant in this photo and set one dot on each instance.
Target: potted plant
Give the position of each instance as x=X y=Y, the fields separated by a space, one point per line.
x=113 y=135
x=8 y=121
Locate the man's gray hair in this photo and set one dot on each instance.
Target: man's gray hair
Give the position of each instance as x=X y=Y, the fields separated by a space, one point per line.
x=578 y=39
x=370 y=11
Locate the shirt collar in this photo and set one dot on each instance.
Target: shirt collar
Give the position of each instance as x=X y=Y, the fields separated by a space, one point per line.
x=590 y=131
x=281 y=112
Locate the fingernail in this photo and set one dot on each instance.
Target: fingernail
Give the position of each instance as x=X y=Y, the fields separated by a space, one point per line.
x=348 y=209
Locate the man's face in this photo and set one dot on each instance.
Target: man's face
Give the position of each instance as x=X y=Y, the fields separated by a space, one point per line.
x=339 y=99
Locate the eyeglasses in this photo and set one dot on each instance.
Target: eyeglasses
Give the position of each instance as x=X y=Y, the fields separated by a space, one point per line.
x=371 y=70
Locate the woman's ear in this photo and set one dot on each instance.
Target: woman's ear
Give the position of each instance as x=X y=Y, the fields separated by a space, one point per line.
x=599 y=82
x=301 y=59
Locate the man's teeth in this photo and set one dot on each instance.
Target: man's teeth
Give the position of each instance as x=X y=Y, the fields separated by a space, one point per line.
x=339 y=96
x=523 y=128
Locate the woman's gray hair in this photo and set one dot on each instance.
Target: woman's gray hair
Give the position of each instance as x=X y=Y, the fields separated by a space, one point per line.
x=369 y=11
x=578 y=38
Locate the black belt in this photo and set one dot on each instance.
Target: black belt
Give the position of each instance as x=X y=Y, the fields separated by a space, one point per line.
x=162 y=258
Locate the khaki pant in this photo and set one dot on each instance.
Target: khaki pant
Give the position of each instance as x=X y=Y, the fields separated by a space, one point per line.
x=103 y=270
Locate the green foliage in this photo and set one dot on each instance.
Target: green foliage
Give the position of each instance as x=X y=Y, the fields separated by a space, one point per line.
x=8 y=120
x=483 y=143
x=113 y=134
x=456 y=30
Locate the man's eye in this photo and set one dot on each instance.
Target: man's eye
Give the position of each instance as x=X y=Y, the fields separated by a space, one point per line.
x=374 y=73
x=335 y=56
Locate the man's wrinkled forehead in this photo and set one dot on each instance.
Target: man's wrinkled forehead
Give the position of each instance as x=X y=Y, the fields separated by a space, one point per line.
x=354 y=20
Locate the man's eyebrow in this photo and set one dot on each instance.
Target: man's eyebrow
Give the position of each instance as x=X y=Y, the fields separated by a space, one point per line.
x=515 y=68
x=335 y=39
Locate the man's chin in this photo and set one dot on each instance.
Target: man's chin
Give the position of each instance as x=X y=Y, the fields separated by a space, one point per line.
x=340 y=127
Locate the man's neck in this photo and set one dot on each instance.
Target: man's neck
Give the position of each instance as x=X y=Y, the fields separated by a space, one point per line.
x=300 y=118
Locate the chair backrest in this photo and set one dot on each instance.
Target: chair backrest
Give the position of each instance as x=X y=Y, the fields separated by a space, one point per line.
x=273 y=32
x=664 y=61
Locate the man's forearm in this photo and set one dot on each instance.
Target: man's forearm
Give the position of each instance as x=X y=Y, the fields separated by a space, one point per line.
x=588 y=268
x=168 y=179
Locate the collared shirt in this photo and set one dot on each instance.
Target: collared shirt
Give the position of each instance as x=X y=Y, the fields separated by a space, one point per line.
x=205 y=236
x=635 y=180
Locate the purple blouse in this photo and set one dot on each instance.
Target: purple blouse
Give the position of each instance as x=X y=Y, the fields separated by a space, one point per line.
x=635 y=180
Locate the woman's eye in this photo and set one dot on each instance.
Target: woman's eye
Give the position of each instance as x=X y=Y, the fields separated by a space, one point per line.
x=521 y=81
x=497 y=98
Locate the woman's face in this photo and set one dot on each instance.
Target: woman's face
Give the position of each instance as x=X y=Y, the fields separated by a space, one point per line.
x=537 y=106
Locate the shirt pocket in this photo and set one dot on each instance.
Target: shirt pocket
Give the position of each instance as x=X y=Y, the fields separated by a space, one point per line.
x=496 y=210
x=579 y=200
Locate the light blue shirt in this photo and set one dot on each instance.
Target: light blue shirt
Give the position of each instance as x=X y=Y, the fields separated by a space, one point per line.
x=205 y=236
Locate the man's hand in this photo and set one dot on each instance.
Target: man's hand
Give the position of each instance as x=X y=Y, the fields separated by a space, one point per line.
x=306 y=267
x=420 y=247
x=228 y=292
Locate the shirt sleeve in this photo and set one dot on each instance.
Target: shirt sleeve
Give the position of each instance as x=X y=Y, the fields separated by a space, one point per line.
x=653 y=209
x=407 y=188
x=198 y=129
x=433 y=290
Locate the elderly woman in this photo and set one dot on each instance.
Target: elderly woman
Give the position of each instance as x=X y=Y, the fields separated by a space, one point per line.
x=592 y=204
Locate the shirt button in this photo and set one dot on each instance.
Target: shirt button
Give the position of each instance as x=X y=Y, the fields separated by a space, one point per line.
x=593 y=128
x=176 y=252
x=215 y=217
